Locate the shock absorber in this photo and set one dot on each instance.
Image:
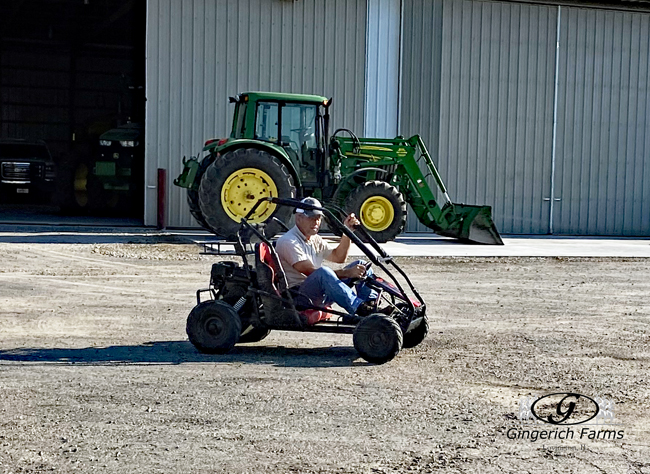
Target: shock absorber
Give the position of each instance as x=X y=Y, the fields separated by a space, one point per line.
x=240 y=303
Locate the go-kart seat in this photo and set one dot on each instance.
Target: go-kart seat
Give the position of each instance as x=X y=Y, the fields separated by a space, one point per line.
x=271 y=279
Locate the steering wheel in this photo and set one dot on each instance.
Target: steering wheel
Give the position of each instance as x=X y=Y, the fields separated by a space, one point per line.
x=304 y=133
x=354 y=281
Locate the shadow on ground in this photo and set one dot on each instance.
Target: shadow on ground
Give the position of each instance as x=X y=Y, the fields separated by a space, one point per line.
x=86 y=237
x=180 y=352
x=89 y=234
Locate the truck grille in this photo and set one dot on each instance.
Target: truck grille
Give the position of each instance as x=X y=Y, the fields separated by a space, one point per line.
x=20 y=172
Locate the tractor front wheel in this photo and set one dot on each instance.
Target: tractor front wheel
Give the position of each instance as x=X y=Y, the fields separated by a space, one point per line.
x=380 y=207
x=235 y=181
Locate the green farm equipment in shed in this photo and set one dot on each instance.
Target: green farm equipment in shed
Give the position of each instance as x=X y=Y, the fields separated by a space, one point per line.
x=280 y=146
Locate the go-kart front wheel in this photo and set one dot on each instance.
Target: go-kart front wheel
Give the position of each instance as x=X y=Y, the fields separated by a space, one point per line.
x=378 y=338
x=213 y=327
x=416 y=335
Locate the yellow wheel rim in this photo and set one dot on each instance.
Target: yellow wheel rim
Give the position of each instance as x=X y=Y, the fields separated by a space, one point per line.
x=243 y=189
x=377 y=213
x=81 y=185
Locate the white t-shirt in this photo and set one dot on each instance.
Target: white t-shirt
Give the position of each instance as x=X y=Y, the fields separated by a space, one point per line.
x=293 y=247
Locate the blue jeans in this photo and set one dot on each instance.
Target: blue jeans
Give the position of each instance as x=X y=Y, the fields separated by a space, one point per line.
x=323 y=287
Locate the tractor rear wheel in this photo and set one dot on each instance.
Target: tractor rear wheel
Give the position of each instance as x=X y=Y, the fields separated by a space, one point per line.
x=89 y=193
x=380 y=207
x=378 y=338
x=235 y=181
x=193 y=196
x=213 y=327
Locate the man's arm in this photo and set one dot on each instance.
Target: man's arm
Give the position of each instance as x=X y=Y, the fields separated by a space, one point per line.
x=306 y=268
x=340 y=253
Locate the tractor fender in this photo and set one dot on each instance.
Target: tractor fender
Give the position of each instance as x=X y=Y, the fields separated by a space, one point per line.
x=347 y=184
x=271 y=148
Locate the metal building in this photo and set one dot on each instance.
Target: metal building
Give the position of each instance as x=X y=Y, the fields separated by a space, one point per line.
x=202 y=51
x=541 y=111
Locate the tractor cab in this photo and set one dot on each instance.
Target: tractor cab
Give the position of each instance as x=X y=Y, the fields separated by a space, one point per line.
x=292 y=122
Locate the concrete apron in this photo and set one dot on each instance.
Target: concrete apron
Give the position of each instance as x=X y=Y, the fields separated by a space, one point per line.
x=407 y=245
x=419 y=245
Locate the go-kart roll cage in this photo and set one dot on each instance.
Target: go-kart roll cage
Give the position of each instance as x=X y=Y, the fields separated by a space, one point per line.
x=382 y=260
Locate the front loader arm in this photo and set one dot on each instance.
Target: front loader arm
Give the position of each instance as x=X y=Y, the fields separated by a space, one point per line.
x=415 y=187
x=398 y=157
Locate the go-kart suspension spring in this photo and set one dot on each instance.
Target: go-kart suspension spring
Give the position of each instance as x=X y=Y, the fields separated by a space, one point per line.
x=239 y=304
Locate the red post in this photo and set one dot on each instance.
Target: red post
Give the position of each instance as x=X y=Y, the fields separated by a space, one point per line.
x=162 y=198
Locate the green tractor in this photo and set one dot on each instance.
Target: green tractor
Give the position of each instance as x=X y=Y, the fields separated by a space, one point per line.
x=280 y=146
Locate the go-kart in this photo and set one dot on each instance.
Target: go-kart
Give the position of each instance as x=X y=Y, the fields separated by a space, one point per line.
x=245 y=302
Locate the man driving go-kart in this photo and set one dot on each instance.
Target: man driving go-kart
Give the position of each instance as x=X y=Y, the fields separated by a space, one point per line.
x=302 y=251
x=288 y=289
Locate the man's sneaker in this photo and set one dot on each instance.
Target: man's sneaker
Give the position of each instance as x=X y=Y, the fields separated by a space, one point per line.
x=367 y=308
x=370 y=307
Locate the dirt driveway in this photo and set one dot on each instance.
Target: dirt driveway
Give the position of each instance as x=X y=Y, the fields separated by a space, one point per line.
x=96 y=372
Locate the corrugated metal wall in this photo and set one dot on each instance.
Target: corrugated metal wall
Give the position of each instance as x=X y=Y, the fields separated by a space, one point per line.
x=603 y=144
x=478 y=82
x=382 y=68
x=201 y=51
x=420 y=79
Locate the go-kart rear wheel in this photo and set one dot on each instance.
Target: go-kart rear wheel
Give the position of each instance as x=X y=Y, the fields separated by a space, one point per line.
x=253 y=334
x=378 y=338
x=416 y=335
x=213 y=327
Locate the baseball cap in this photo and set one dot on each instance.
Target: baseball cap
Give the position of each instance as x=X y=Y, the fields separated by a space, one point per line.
x=312 y=202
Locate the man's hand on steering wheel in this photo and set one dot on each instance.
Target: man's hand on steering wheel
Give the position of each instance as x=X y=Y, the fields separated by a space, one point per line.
x=355 y=273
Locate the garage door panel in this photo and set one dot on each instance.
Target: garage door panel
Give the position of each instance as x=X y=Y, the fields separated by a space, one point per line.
x=602 y=123
x=494 y=96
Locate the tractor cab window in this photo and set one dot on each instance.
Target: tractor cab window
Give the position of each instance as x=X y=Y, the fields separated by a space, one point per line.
x=266 y=122
x=239 y=123
x=299 y=138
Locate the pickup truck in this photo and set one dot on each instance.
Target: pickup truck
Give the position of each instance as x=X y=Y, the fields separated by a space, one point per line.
x=26 y=168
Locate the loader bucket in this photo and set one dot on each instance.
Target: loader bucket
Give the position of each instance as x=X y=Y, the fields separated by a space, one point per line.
x=472 y=224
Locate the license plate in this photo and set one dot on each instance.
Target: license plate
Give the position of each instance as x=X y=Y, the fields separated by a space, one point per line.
x=22 y=190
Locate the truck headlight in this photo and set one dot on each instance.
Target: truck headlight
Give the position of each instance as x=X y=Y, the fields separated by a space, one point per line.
x=128 y=143
x=105 y=142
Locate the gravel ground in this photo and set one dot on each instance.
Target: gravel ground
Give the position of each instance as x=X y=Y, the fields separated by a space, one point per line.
x=96 y=373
